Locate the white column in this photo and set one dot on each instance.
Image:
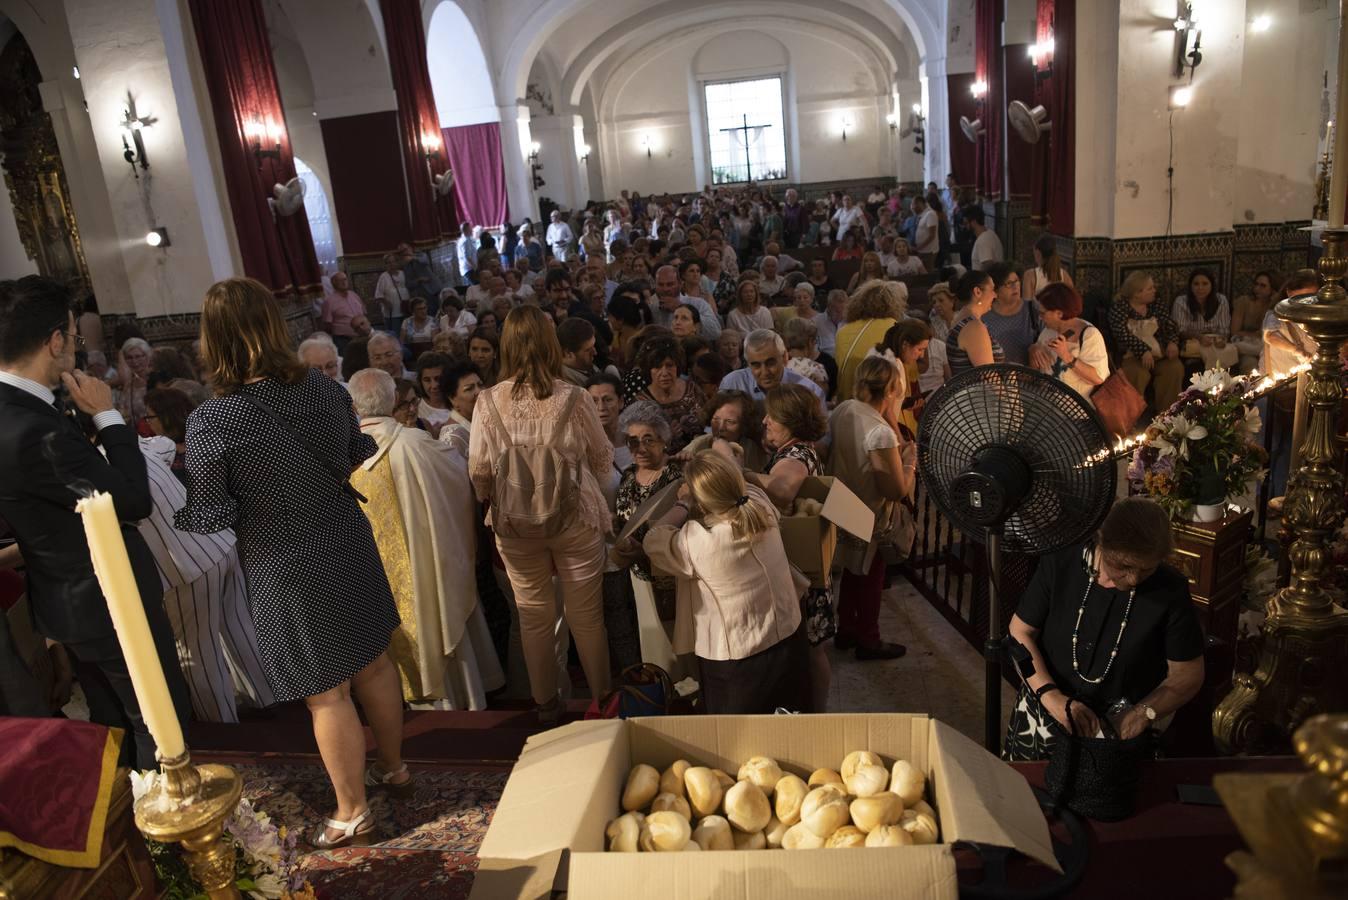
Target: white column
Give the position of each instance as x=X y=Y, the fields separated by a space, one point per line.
x=936 y=104
x=910 y=164
x=516 y=136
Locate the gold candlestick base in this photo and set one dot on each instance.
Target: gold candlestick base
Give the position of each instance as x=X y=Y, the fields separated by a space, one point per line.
x=188 y=805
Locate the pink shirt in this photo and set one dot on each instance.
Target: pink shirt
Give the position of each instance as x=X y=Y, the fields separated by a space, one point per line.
x=339 y=310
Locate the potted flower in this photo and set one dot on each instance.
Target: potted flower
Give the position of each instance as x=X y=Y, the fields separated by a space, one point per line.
x=1201 y=453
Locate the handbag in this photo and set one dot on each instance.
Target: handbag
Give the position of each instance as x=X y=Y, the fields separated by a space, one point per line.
x=1118 y=403
x=343 y=479
x=643 y=690
x=1096 y=777
x=895 y=543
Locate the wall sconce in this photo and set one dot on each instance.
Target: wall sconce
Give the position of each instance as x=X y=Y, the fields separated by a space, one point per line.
x=1041 y=55
x=430 y=145
x=584 y=154
x=917 y=124
x=1260 y=24
x=846 y=124
x=132 y=124
x=646 y=142
x=893 y=120
x=255 y=131
x=1187 y=55
x=158 y=238
x=979 y=89
x=534 y=165
x=1180 y=95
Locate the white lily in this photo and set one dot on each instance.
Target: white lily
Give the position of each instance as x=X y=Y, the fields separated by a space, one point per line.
x=1212 y=381
x=141 y=782
x=1177 y=435
x=1252 y=423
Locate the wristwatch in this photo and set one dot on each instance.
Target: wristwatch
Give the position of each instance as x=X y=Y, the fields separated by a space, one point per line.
x=1147 y=711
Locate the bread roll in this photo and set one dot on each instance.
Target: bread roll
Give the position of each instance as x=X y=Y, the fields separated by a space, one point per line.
x=747 y=807
x=704 y=791
x=713 y=833
x=889 y=836
x=856 y=759
x=907 y=782
x=820 y=777
x=643 y=783
x=624 y=833
x=790 y=793
x=922 y=829
x=798 y=837
x=726 y=781
x=846 y=836
x=924 y=811
x=867 y=780
x=671 y=781
x=824 y=811
x=774 y=833
x=755 y=841
x=668 y=831
x=869 y=813
x=672 y=803
x=691 y=845
x=762 y=771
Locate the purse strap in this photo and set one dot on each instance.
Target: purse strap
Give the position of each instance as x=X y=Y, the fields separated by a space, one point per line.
x=343 y=479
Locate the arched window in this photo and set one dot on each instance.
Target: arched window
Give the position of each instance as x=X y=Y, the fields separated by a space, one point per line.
x=319 y=212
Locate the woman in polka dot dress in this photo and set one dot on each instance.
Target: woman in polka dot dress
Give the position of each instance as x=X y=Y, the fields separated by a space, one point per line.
x=317 y=591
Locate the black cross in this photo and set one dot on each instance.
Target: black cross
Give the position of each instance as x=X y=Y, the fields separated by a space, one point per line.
x=748 y=166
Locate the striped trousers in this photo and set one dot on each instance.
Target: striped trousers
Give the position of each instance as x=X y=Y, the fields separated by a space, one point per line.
x=217 y=646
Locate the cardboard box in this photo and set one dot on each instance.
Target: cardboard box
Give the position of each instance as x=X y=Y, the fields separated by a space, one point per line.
x=548 y=831
x=811 y=541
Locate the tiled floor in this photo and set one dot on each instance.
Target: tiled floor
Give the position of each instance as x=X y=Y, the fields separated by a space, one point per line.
x=941 y=675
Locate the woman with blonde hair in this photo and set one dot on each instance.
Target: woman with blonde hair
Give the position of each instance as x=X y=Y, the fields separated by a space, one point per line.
x=531 y=406
x=878 y=464
x=738 y=603
x=749 y=313
x=871 y=269
x=1148 y=339
x=871 y=312
x=269 y=456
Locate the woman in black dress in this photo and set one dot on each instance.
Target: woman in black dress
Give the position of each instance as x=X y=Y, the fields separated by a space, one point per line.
x=1109 y=625
x=269 y=456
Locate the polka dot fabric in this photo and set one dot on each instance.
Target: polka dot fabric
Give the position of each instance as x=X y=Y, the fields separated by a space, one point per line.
x=317 y=591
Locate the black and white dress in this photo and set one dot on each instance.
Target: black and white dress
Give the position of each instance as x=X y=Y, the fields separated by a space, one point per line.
x=317 y=591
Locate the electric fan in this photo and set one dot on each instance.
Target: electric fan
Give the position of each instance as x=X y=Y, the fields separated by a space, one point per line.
x=1017 y=456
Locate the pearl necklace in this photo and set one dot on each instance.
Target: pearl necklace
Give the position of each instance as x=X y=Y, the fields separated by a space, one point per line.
x=1076 y=629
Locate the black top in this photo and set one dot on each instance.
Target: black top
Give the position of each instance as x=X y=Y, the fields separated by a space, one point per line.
x=1161 y=626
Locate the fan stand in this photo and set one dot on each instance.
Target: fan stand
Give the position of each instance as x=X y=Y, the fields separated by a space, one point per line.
x=992 y=647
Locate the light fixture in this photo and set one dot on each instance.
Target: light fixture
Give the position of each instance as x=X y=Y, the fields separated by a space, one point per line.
x=917 y=109
x=893 y=120
x=255 y=131
x=646 y=142
x=917 y=125
x=75 y=70
x=584 y=153
x=430 y=145
x=1187 y=55
x=846 y=124
x=535 y=166
x=1180 y=95
x=132 y=124
x=979 y=89
x=158 y=238
x=1041 y=56
x=1261 y=24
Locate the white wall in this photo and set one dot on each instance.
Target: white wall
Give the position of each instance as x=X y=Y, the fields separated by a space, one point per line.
x=659 y=93
x=460 y=79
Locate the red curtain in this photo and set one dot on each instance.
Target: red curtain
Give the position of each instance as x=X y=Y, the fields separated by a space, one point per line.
x=418 y=122
x=963 y=154
x=1052 y=201
x=479 y=173
x=246 y=104
x=988 y=17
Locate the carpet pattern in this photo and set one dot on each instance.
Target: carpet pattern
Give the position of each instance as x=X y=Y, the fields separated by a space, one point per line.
x=429 y=842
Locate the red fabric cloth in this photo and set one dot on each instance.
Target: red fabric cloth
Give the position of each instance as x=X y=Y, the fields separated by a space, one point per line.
x=56 y=780
x=963 y=154
x=479 y=173
x=246 y=103
x=988 y=16
x=1053 y=198
x=418 y=123
x=366 y=166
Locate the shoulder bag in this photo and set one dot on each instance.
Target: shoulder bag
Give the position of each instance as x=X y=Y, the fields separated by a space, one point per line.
x=343 y=479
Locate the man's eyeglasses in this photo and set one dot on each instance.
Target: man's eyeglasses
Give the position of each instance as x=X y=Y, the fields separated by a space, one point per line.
x=77 y=338
x=648 y=442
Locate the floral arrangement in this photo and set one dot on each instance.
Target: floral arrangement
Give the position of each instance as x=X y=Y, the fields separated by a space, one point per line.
x=265 y=856
x=1202 y=450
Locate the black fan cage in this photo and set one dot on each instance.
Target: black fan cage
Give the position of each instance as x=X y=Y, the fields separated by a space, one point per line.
x=1048 y=425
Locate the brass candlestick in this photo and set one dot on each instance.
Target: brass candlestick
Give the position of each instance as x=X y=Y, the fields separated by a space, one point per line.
x=188 y=805
x=1304 y=646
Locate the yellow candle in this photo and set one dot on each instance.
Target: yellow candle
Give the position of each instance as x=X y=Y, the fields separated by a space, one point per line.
x=113 y=568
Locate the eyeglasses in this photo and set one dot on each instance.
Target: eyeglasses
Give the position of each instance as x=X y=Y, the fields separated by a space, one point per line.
x=648 y=442
x=77 y=338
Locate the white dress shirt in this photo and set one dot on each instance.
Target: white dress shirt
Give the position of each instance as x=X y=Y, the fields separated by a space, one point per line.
x=43 y=393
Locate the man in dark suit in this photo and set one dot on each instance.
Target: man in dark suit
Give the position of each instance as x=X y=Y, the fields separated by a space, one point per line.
x=46 y=464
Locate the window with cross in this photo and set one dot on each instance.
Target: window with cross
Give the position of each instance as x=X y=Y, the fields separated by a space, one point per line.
x=746 y=130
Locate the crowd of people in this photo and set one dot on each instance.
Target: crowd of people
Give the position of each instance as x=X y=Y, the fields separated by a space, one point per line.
x=346 y=518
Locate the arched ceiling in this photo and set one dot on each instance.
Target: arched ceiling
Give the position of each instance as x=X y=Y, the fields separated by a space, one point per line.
x=584 y=35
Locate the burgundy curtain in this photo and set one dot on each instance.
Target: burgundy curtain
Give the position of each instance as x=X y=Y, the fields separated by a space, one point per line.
x=418 y=123
x=963 y=154
x=246 y=104
x=988 y=16
x=479 y=173
x=1053 y=198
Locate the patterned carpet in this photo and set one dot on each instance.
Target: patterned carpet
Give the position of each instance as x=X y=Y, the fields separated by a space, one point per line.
x=429 y=846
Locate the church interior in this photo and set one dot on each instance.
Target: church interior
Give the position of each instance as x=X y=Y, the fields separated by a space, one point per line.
x=567 y=432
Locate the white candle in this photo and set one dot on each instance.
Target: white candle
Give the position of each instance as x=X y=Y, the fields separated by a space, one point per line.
x=113 y=568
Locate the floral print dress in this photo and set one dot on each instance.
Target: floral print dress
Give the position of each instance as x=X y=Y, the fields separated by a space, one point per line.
x=821 y=622
x=631 y=494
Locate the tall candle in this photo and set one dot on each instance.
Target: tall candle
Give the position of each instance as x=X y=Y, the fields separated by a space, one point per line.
x=1338 y=173
x=113 y=568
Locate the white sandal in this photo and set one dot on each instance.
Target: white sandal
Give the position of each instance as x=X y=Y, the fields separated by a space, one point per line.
x=350 y=836
x=376 y=777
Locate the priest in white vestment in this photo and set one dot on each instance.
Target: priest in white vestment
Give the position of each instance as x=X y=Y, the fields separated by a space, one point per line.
x=421 y=507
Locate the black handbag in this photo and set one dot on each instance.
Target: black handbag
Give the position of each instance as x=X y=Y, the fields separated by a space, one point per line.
x=1096 y=777
x=343 y=479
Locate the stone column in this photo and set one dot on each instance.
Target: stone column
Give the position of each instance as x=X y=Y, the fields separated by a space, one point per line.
x=516 y=135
